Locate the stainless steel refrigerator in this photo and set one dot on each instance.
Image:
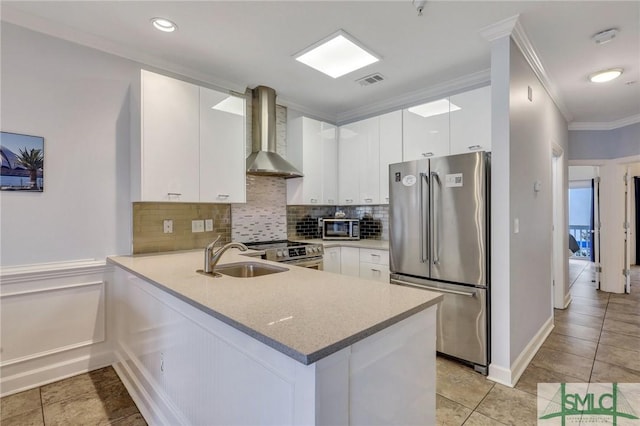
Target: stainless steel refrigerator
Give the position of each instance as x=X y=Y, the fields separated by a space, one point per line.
x=438 y=240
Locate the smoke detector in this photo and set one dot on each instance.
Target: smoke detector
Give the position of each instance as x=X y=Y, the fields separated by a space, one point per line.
x=605 y=36
x=370 y=79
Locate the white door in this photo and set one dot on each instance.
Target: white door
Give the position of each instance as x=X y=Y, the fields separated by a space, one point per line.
x=470 y=119
x=596 y=229
x=312 y=165
x=627 y=231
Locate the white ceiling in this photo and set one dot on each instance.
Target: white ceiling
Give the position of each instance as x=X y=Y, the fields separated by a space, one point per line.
x=239 y=44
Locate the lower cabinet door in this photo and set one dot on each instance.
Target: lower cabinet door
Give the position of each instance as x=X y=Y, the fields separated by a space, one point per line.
x=374 y=271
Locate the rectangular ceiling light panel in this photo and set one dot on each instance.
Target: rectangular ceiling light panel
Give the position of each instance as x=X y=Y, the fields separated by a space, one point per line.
x=337 y=55
x=441 y=106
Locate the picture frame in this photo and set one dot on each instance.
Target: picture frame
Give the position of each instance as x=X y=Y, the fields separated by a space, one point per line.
x=22 y=162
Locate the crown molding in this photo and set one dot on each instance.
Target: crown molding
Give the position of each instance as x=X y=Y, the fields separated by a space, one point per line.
x=511 y=27
x=34 y=23
x=467 y=82
x=605 y=126
x=499 y=29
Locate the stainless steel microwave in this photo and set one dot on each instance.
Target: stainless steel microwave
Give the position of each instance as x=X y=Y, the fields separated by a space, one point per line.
x=340 y=229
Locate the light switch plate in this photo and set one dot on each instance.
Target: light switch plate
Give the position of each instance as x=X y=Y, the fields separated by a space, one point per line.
x=208 y=225
x=197 y=225
x=167 y=226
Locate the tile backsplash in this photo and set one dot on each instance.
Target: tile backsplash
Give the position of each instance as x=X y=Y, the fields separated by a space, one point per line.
x=264 y=216
x=302 y=221
x=148 y=232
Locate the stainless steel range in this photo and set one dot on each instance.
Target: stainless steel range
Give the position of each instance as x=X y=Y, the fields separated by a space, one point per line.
x=298 y=253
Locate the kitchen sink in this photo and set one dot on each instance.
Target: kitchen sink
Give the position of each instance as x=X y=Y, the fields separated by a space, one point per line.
x=248 y=269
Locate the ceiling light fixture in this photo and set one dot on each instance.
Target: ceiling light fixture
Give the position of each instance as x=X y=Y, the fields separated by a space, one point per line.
x=441 y=106
x=337 y=55
x=605 y=75
x=164 y=24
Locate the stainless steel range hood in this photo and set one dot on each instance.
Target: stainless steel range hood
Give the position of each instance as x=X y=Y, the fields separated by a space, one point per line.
x=264 y=160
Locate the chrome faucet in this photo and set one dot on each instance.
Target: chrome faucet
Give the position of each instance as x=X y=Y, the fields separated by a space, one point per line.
x=212 y=257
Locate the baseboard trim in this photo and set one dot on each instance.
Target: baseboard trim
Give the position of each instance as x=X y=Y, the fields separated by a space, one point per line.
x=510 y=376
x=567 y=300
x=54 y=372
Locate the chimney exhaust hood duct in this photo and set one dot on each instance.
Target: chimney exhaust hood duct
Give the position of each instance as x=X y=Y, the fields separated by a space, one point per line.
x=264 y=161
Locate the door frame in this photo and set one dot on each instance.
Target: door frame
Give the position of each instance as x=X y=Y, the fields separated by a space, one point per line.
x=560 y=242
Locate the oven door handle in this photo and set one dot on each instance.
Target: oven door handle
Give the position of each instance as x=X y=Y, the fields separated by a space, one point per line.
x=304 y=263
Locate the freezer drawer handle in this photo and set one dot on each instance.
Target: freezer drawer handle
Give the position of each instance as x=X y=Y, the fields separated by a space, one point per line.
x=459 y=293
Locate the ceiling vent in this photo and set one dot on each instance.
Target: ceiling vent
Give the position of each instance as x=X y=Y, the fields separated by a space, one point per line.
x=370 y=79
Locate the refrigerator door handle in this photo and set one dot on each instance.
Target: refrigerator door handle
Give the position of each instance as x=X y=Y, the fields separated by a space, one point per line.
x=434 y=218
x=424 y=220
x=438 y=289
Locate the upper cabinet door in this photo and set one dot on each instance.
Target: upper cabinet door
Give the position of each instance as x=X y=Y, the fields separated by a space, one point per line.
x=222 y=147
x=390 y=149
x=329 y=164
x=349 y=158
x=369 y=161
x=169 y=139
x=425 y=130
x=312 y=151
x=471 y=124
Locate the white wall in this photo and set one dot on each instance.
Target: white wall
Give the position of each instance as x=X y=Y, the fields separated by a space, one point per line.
x=523 y=133
x=77 y=99
x=604 y=144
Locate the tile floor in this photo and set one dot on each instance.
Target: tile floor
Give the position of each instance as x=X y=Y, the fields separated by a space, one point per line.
x=596 y=339
x=94 y=398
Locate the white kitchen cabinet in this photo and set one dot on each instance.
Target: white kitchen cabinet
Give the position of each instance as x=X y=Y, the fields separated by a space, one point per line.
x=169 y=139
x=349 y=160
x=365 y=150
x=425 y=130
x=350 y=261
x=222 y=148
x=312 y=148
x=331 y=260
x=390 y=149
x=186 y=150
x=368 y=162
x=374 y=264
x=470 y=126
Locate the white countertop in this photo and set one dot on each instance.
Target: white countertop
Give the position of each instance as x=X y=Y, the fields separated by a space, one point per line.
x=303 y=313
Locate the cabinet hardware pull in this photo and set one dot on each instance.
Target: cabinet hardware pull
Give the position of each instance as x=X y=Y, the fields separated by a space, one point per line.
x=314 y=200
x=427 y=154
x=330 y=201
x=223 y=195
x=349 y=200
x=375 y=270
x=376 y=255
x=475 y=147
x=177 y=194
x=368 y=200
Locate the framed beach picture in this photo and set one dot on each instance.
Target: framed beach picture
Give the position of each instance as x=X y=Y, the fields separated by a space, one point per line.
x=22 y=162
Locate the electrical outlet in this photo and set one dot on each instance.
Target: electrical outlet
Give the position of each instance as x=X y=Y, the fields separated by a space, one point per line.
x=208 y=225
x=197 y=225
x=167 y=226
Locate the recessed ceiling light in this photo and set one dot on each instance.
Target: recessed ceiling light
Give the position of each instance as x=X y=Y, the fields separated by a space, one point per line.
x=337 y=55
x=441 y=106
x=605 y=75
x=232 y=104
x=163 y=24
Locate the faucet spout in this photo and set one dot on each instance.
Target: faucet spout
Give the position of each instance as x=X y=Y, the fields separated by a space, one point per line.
x=211 y=257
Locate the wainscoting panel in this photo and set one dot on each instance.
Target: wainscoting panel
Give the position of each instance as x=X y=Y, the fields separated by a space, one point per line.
x=53 y=323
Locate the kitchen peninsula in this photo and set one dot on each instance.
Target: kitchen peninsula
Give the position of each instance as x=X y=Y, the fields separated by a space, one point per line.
x=296 y=347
